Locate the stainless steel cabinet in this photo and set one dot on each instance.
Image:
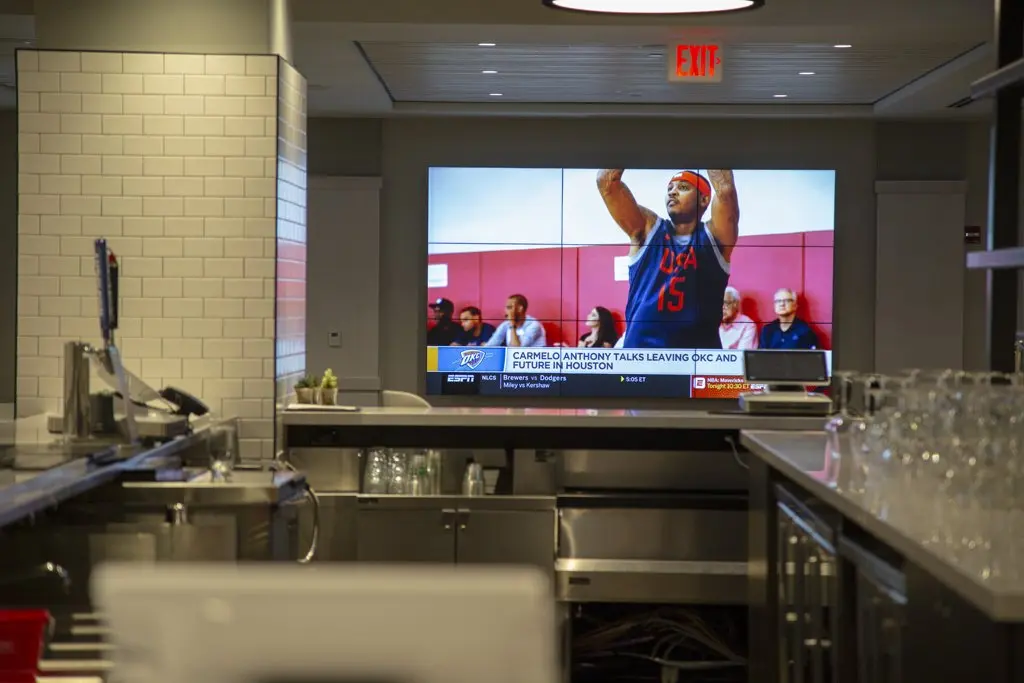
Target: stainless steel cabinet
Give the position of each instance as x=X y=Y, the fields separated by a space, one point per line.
x=807 y=595
x=879 y=606
x=413 y=535
x=513 y=530
x=507 y=537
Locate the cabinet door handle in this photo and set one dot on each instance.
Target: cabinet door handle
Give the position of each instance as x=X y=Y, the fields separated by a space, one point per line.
x=463 y=518
x=448 y=518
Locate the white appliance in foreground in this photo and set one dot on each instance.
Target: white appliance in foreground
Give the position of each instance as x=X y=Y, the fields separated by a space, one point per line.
x=344 y=624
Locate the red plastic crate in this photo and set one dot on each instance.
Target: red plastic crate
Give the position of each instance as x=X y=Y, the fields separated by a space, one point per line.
x=22 y=637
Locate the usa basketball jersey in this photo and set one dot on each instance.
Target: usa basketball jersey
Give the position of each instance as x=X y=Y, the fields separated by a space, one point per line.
x=676 y=287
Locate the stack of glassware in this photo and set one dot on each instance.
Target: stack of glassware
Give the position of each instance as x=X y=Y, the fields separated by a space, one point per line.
x=396 y=472
x=940 y=456
x=377 y=472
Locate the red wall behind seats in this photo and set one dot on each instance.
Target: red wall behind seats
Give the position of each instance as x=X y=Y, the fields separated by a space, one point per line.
x=563 y=285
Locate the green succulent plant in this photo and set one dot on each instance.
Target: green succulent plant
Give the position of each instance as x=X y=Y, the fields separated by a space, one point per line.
x=330 y=380
x=307 y=382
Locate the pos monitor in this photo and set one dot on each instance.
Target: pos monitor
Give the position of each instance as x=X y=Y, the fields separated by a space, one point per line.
x=786 y=368
x=786 y=376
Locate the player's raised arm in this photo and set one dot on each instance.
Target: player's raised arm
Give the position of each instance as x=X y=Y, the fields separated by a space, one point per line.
x=634 y=219
x=725 y=211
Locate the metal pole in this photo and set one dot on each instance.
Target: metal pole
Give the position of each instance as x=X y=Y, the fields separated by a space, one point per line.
x=1004 y=186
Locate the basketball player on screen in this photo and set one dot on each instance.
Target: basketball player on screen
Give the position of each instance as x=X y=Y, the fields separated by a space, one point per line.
x=679 y=266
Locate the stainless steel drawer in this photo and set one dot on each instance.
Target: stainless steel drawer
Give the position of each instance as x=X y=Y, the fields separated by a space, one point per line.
x=334 y=470
x=683 y=470
x=653 y=534
x=653 y=582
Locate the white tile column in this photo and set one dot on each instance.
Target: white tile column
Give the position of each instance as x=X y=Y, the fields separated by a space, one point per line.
x=175 y=159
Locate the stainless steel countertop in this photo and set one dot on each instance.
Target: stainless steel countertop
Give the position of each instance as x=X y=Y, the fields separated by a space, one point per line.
x=800 y=456
x=387 y=501
x=534 y=418
x=242 y=487
x=76 y=475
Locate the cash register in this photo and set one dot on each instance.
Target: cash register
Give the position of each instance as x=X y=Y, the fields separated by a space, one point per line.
x=787 y=376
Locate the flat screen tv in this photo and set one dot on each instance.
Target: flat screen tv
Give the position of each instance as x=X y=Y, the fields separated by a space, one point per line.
x=620 y=283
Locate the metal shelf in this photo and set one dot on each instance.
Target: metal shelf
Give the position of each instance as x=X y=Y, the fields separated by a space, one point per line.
x=1012 y=257
x=1007 y=77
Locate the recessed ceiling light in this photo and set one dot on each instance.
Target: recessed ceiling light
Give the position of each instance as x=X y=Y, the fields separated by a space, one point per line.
x=489 y=71
x=654 y=6
x=491 y=44
x=806 y=73
x=779 y=97
x=496 y=94
x=842 y=46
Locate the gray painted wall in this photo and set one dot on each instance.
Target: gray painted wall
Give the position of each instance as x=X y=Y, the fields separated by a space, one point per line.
x=411 y=146
x=861 y=151
x=183 y=26
x=400 y=151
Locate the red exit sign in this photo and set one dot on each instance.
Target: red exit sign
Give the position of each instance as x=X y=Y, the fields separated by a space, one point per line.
x=695 y=63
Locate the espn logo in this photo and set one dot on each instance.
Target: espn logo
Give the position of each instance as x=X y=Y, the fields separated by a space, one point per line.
x=461 y=384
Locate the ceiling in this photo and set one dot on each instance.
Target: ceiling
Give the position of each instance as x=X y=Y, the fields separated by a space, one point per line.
x=756 y=73
x=908 y=58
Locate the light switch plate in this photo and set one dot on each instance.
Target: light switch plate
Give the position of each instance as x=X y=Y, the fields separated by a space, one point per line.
x=334 y=339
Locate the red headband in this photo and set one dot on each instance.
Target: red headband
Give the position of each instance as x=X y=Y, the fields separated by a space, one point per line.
x=695 y=179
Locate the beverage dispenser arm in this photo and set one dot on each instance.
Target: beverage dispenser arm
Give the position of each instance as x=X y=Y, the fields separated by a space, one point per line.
x=107 y=275
x=104 y=290
x=114 y=271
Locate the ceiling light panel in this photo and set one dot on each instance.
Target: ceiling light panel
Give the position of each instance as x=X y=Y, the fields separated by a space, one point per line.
x=654 y=6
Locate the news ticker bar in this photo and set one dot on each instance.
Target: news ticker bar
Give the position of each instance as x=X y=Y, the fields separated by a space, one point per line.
x=541 y=384
x=577 y=361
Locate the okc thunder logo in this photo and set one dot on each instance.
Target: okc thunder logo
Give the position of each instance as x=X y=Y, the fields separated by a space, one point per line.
x=472 y=358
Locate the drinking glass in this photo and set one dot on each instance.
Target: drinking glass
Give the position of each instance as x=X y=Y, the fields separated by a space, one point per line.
x=840 y=467
x=435 y=459
x=419 y=477
x=375 y=476
x=398 y=472
x=223 y=445
x=868 y=440
x=942 y=458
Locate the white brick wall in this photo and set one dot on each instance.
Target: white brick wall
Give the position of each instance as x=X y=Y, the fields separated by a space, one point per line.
x=172 y=158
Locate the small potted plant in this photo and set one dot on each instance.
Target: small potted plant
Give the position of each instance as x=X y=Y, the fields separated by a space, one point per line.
x=305 y=389
x=329 y=388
